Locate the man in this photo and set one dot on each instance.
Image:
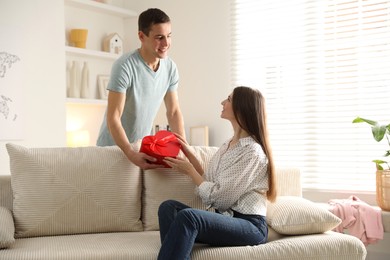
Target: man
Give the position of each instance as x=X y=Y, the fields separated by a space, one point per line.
x=139 y=82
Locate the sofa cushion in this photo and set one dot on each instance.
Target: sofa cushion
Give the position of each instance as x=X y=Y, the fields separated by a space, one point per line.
x=163 y=184
x=74 y=190
x=291 y=215
x=7 y=228
x=146 y=245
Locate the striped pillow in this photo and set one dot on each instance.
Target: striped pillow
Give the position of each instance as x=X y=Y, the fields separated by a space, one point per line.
x=291 y=215
x=59 y=191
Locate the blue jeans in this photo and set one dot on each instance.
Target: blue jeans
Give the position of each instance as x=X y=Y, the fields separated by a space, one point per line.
x=181 y=226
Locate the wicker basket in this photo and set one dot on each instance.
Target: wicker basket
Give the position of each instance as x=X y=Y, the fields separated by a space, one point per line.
x=383 y=189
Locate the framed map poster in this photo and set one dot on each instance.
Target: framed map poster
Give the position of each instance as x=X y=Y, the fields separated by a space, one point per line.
x=11 y=123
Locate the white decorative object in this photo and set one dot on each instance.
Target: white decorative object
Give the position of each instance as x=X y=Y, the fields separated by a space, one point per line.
x=74 y=86
x=68 y=69
x=113 y=43
x=102 y=86
x=161 y=127
x=85 y=90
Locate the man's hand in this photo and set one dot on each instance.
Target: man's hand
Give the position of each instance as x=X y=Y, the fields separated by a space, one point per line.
x=143 y=160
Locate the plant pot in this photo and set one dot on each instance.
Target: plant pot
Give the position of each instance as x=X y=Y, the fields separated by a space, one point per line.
x=383 y=189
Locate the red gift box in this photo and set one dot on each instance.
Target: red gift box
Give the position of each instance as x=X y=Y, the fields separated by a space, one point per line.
x=162 y=144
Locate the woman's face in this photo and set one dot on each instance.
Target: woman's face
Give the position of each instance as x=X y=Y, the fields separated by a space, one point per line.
x=227 y=108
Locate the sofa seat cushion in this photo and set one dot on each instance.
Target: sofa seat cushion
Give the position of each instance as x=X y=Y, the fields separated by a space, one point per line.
x=59 y=191
x=145 y=246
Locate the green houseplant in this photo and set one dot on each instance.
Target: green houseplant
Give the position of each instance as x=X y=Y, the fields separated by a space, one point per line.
x=379 y=131
x=382 y=175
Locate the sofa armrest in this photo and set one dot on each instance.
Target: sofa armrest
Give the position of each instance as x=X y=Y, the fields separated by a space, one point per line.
x=7 y=228
x=385 y=216
x=6 y=196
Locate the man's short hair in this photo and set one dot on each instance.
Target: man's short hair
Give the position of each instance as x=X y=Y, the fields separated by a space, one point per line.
x=150 y=17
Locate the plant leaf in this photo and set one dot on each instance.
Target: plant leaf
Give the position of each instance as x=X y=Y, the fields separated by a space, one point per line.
x=361 y=120
x=378 y=131
x=378 y=164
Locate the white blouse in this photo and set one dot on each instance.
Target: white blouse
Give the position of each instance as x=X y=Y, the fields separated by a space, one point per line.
x=237 y=179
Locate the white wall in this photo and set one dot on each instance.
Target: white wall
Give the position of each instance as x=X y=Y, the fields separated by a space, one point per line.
x=201 y=50
x=201 y=45
x=33 y=31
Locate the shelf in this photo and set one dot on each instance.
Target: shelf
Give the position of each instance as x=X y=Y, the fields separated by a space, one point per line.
x=91 y=53
x=84 y=101
x=101 y=7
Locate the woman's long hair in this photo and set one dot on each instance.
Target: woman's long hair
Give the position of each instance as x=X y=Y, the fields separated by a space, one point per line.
x=249 y=111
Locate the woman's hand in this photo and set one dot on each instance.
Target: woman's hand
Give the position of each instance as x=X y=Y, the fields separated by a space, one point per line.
x=179 y=164
x=185 y=167
x=185 y=147
x=188 y=151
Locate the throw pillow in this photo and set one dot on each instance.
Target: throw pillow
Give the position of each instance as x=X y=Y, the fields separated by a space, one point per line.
x=59 y=191
x=7 y=228
x=291 y=215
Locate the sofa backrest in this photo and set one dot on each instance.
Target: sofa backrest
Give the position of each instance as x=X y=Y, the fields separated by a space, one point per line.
x=59 y=191
x=162 y=184
x=147 y=189
x=288 y=182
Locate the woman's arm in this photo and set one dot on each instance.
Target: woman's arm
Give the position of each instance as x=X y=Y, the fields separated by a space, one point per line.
x=186 y=168
x=190 y=155
x=236 y=176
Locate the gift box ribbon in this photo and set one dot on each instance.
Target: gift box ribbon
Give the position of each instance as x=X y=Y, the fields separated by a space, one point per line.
x=163 y=144
x=160 y=145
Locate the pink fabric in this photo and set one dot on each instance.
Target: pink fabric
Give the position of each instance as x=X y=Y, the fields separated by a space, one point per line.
x=359 y=218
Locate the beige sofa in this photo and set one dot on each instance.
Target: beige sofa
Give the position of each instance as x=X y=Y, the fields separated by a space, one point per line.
x=91 y=203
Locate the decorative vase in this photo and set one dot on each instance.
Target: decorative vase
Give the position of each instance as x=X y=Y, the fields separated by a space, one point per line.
x=78 y=37
x=74 y=75
x=383 y=189
x=85 y=81
x=68 y=69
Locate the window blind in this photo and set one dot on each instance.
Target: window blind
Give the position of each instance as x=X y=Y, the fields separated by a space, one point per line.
x=319 y=65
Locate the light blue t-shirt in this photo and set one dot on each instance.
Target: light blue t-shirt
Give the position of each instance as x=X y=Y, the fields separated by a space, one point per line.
x=145 y=90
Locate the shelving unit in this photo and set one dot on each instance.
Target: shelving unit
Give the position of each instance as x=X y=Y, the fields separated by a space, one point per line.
x=101 y=20
x=90 y=53
x=101 y=7
x=99 y=61
x=84 y=101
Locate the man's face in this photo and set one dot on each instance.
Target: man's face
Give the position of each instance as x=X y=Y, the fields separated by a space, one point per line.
x=158 y=41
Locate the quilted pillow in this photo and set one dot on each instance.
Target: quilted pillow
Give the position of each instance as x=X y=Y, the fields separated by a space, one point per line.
x=291 y=215
x=59 y=191
x=7 y=228
x=165 y=183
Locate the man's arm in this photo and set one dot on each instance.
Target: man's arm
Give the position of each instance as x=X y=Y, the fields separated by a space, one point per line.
x=115 y=106
x=174 y=115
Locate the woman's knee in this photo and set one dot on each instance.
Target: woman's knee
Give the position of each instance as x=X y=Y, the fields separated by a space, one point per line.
x=166 y=205
x=187 y=217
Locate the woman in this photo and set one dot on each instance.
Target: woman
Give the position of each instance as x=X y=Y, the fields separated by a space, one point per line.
x=237 y=184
